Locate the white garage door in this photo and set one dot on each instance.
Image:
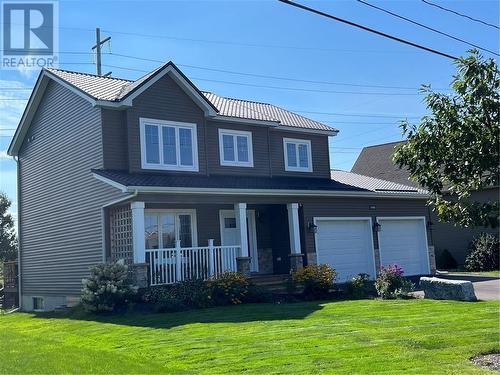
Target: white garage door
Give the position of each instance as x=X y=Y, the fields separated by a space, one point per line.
x=346 y=245
x=403 y=241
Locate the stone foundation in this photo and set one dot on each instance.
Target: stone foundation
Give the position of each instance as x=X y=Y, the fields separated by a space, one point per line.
x=243 y=266
x=432 y=260
x=296 y=262
x=265 y=260
x=138 y=275
x=311 y=258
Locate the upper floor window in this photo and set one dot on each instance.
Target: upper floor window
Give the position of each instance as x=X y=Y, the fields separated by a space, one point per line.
x=168 y=145
x=297 y=155
x=235 y=148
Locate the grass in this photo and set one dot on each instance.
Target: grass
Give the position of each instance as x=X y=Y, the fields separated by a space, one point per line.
x=367 y=336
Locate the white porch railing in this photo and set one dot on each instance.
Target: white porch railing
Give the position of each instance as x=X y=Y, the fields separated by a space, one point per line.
x=168 y=266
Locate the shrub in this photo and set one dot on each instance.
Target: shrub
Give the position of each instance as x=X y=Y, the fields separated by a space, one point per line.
x=184 y=295
x=360 y=286
x=483 y=254
x=390 y=283
x=228 y=288
x=444 y=260
x=316 y=278
x=106 y=287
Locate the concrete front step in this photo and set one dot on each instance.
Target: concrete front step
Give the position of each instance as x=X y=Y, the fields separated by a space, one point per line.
x=278 y=284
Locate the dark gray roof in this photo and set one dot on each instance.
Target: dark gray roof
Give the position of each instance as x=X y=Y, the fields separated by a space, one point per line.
x=117 y=89
x=223 y=182
x=372 y=184
x=376 y=161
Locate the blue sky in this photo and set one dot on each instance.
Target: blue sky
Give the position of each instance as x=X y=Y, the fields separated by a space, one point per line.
x=271 y=38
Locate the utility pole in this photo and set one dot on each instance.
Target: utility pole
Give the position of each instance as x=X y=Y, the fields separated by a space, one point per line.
x=97 y=48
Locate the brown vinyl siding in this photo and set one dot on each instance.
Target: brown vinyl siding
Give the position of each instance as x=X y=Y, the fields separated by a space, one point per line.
x=60 y=200
x=114 y=139
x=359 y=207
x=457 y=239
x=260 y=150
x=164 y=100
x=319 y=150
x=208 y=226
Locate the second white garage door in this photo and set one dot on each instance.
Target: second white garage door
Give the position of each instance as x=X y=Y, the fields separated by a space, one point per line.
x=403 y=241
x=346 y=244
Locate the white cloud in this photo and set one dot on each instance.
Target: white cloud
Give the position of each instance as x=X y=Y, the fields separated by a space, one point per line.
x=3 y=155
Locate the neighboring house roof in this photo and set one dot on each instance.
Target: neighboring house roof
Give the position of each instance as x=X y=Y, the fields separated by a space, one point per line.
x=373 y=184
x=376 y=161
x=158 y=182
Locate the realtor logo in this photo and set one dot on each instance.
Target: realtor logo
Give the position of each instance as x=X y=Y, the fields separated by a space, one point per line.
x=29 y=34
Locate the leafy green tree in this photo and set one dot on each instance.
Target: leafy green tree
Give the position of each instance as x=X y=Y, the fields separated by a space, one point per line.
x=455 y=151
x=8 y=241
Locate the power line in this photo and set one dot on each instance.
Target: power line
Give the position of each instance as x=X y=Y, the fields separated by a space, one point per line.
x=257 y=45
x=270 y=76
x=426 y=27
x=385 y=35
x=279 y=87
x=460 y=14
x=355 y=114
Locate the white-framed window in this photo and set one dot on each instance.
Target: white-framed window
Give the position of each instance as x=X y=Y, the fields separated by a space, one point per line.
x=168 y=145
x=297 y=153
x=163 y=227
x=235 y=148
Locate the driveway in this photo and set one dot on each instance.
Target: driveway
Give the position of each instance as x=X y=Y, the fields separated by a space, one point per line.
x=485 y=287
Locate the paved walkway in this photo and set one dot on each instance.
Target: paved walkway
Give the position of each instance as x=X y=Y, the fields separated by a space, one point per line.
x=485 y=287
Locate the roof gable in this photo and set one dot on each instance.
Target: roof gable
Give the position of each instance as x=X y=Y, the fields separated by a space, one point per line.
x=376 y=161
x=120 y=93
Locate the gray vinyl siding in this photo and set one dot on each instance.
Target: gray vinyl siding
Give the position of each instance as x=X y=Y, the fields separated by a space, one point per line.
x=260 y=148
x=319 y=150
x=164 y=100
x=60 y=200
x=114 y=139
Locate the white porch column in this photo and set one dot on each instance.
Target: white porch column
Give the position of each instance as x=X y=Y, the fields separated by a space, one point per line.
x=240 y=210
x=138 y=240
x=293 y=226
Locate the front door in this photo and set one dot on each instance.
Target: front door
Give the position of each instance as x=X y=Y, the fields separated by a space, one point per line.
x=230 y=234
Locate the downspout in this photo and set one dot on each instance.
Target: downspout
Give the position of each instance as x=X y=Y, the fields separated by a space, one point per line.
x=16 y=159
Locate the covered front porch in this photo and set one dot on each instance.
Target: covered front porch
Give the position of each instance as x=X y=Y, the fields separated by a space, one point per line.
x=165 y=243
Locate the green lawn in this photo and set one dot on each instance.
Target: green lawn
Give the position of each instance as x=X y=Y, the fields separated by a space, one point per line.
x=412 y=336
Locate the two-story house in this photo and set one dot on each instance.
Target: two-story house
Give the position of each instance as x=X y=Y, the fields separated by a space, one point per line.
x=181 y=184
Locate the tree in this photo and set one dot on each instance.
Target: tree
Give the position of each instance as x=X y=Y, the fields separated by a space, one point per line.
x=8 y=241
x=455 y=151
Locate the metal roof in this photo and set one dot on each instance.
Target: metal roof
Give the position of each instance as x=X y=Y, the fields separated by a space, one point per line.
x=373 y=184
x=223 y=182
x=115 y=89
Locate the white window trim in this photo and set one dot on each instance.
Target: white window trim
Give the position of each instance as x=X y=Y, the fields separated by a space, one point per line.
x=309 y=155
x=236 y=133
x=176 y=212
x=177 y=124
